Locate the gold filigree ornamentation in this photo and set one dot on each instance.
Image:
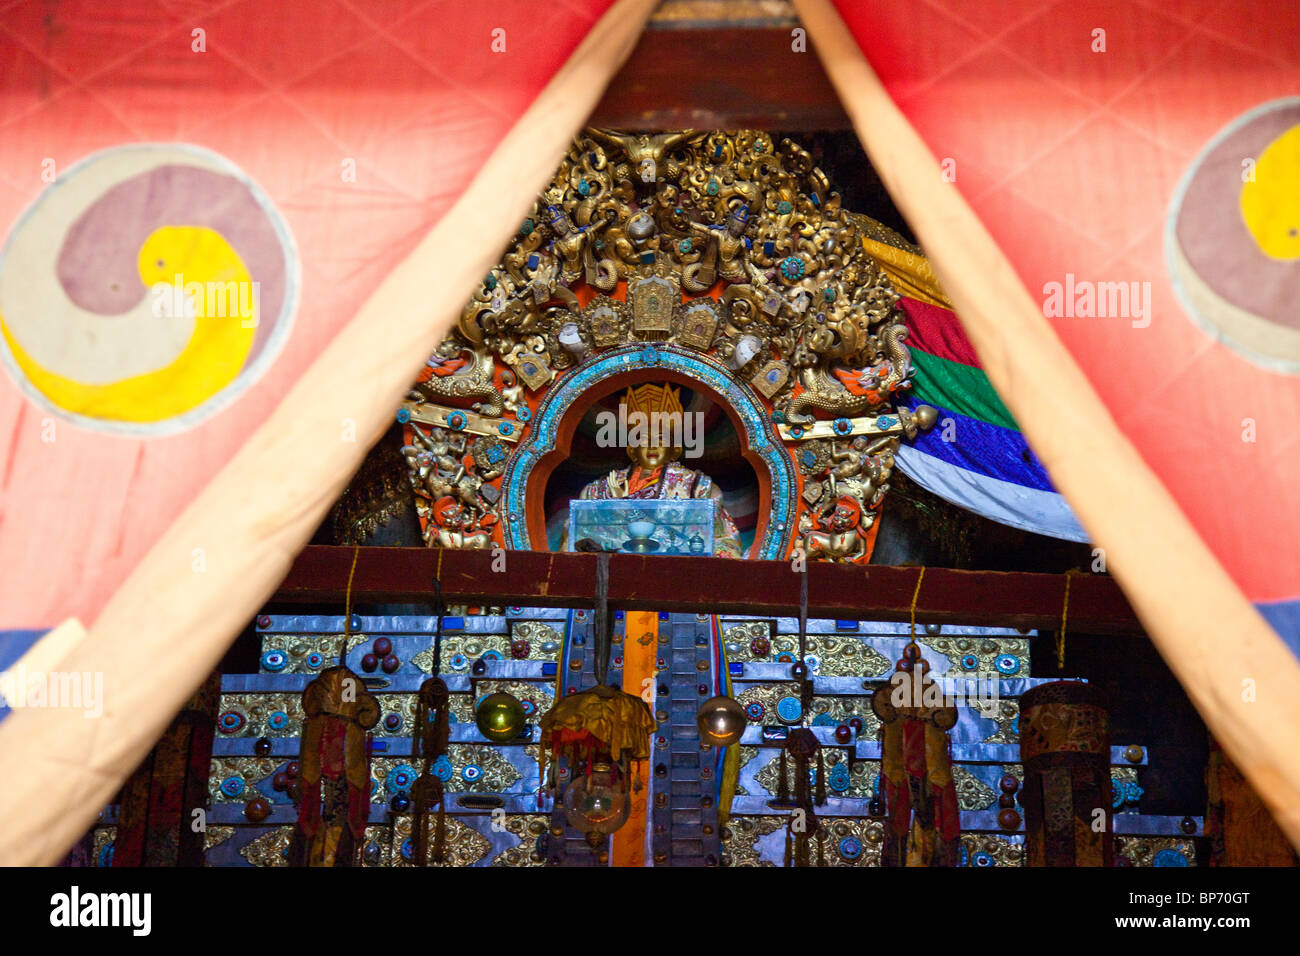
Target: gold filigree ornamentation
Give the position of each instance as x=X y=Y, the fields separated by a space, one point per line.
x=741 y=833
x=257 y=710
x=737 y=639
x=836 y=655
x=216 y=835
x=543 y=645
x=1005 y=712
x=972 y=792
x=269 y=849
x=1142 y=850
x=528 y=827
x=862 y=775
x=298 y=648
x=746 y=755
x=985 y=650
x=475 y=768
x=777 y=285
x=838 y=709
x=252 y=770
x=465 y=846
x=1000 y=850
x=740 y=836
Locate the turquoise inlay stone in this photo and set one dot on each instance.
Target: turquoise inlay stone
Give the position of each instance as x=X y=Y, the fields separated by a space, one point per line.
x=789 y=710
x=401 y=778
x=839 y=779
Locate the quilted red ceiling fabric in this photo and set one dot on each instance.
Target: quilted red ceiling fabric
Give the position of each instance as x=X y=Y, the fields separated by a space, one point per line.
x=1156 y=146
x=317 y=139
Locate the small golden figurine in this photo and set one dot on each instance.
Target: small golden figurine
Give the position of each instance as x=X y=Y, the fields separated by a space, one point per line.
x=655 y=471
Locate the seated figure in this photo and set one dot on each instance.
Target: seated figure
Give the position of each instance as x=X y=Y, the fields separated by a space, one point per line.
x=655 y=471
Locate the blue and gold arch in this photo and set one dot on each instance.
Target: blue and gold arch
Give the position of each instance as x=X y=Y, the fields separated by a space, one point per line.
x=650 y=361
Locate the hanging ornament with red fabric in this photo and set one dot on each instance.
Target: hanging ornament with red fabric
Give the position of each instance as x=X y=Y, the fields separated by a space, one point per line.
x=922 y=821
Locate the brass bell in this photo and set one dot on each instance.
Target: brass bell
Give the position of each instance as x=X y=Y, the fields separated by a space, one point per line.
x=721 y=721
x=500 y=717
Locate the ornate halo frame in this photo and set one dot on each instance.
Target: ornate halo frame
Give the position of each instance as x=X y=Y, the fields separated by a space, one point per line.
x=718 y=260
x=761 y=437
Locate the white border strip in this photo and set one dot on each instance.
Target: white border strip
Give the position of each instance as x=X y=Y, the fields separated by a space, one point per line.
x=1029 y=509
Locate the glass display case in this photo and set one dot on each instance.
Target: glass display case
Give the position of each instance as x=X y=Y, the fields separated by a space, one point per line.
x=644 y=526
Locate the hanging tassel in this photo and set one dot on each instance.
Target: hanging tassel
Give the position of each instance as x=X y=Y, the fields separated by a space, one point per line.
x=801 y=848
x=801 y=781
x=821 y=778
x=440 y=826
x=543 y=768
x=783 y=791
x=430 y=741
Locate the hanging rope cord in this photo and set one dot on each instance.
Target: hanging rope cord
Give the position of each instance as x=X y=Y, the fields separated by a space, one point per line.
x=805 y=680
x=438 y=610
x=428 y=743
x=916 y=594
x=1065 y=611
x=600 y=619
x=803 y=616
x=347 y=606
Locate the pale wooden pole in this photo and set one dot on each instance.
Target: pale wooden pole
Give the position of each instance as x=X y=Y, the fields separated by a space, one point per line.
x=167 y=627
x=1236 y=670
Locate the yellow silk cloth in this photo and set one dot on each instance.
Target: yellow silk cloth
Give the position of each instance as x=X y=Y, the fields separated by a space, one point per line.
x=621 y=721
x=910 y=273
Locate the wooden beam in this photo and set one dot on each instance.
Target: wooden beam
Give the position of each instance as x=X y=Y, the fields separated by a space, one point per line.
x=720 y=585
x=721 y=64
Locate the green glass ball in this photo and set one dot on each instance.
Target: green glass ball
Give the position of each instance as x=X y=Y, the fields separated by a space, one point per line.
x=500 y=717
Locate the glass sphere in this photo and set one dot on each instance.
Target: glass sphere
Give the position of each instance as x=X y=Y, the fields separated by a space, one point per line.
x=500 y=717
x=599 y=803
x=721 y=721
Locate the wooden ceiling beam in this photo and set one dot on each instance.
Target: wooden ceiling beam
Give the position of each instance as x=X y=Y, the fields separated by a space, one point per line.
x=1029 y=601
x=721 y=64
